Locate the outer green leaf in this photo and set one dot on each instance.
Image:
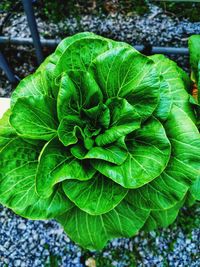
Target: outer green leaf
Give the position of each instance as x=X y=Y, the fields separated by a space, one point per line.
x=87 y=230
x=56 y=164
x=46 y=208
x=48 y=67
x=194 y=48
x=80 y=54
x=62 y=48
x=162 y=218
x=189 y=200
x=35 y=117
x=66 y=46
x=195 y=189
x=186 y=145
x=125 y=220
x=173 y=77
x=18 y=163
x=196 y=107
x=165 y=104
x=166 y=190
x=92 y=232
x=48 y=60
x=37 y=84
x=186 y=79
x=96 y=196
x=46 y=70
x=149 y=152
x=6 y=130
x=52 y=156
x=198 y=92
x=124 y=73
x=182 y=170
x=78 y=51
x=166 y=87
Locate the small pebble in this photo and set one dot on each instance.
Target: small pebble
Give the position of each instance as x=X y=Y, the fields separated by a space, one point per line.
x=22 y=226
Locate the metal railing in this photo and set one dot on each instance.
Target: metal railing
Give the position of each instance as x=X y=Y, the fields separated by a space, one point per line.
x=53 y=43
x=28 y=8
x=38 y=44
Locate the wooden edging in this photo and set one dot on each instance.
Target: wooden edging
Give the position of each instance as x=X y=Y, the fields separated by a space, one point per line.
x=4 y=105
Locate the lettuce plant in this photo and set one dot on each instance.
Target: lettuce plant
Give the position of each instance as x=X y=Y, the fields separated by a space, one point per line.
x=101 y=138
x=194 y=48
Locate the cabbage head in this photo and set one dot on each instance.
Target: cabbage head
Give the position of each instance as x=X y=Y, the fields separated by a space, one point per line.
x=101 y=138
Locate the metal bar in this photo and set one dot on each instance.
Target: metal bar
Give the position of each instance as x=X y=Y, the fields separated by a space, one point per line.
x=170 y=50
x=53 y=43
x=5 y=67
x=163 y=50
x=28 y=8
x=28 y=41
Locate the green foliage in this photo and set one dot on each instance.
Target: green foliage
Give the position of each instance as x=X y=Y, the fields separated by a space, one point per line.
x=58 y=10
x=194 y=46
x=181 y=9
x=95 y=139
x=5 y=5
x=189 y=219
x=11 y=6
x=53 y=261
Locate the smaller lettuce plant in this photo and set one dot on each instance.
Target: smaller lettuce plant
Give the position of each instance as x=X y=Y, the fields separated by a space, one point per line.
x=194 y=48
x=101 y=138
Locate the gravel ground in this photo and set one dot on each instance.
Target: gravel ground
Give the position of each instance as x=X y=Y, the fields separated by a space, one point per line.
x=156 y=27
x=27 y=243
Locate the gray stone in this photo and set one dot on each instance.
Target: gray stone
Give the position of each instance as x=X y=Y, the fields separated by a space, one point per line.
x=22 y=226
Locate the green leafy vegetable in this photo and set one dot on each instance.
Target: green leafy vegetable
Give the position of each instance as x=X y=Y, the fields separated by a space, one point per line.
x=194 y=46
x=101 y=138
